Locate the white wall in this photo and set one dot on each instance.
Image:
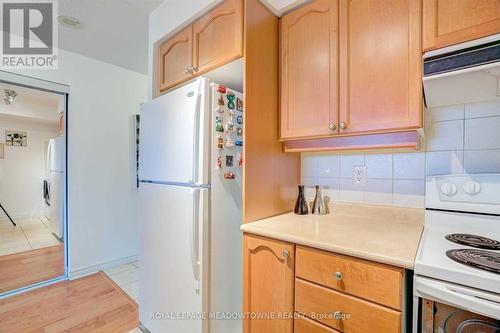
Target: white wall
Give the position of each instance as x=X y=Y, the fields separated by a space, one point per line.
x=103 y=219
x=23 y=170
x=462 y=138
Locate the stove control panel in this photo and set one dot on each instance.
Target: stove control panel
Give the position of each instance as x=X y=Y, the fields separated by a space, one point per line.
x=464 y=192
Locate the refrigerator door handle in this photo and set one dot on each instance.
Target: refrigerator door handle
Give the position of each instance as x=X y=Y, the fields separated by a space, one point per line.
x=196 y=142
x=194 y=238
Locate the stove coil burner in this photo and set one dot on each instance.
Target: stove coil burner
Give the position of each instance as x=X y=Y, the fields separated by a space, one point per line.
x=485 y=260
x=474 y=241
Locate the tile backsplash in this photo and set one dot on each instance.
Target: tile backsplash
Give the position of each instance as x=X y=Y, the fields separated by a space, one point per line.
x=458 y=139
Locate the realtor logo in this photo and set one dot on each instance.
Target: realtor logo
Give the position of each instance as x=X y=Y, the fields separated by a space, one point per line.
x=29 y=34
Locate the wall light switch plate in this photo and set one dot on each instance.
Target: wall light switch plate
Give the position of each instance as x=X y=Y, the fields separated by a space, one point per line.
x=359 y=175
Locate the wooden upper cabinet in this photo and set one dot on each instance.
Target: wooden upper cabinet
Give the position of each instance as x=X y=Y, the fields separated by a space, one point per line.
x=212 y=41
x=381 y=64
x=448 y=22
x=268 y=284
x=218 y=36
x=176 y=57
x=309 y=70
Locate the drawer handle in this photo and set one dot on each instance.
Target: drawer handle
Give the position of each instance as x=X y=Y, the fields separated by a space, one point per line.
x=338 y=276
x=338 y=315
x=286 y=254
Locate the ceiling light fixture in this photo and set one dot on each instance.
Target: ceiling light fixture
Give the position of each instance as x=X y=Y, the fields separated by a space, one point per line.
x=70 y=21
x=9 y=96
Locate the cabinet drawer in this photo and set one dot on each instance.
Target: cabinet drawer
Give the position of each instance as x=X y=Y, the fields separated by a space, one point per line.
x=353 y=315
x=305 y=325
x=372 y=281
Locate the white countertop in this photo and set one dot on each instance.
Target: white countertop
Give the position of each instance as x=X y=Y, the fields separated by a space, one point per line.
x=389 y=235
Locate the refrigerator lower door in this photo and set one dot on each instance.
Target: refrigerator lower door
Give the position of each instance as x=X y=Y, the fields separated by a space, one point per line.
x=173 y=274
x=174 y=135
x=56 y=209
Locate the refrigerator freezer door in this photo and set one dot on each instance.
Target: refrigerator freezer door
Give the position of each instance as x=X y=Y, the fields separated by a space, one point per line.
x=55 y=150
x=175 y=136
x=173 y=275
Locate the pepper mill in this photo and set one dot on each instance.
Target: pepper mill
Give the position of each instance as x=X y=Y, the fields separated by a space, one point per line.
x=301 y=204
x=318 y=207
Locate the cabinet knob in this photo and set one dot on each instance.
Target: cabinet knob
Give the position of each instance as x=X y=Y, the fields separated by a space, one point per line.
x=332 y=127
x=286 y=254
x=187 y=71
x=194 y=69
x=338 y=276
x=343 y=125
x=338 y=315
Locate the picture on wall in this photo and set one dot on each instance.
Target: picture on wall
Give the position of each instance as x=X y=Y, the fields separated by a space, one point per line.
x=16 y=138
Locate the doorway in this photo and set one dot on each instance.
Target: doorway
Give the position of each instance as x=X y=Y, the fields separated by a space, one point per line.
x=33 y=183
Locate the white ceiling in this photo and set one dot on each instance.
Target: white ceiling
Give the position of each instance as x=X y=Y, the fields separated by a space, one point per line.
x=145 y=5
x=114 y=31
x=32 y=104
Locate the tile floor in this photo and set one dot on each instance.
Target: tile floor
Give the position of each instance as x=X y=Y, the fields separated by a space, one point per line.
x=29 y=234
x=127 y=277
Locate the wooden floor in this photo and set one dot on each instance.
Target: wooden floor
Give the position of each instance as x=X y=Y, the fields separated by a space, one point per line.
x=90 y=304
x=25 y=268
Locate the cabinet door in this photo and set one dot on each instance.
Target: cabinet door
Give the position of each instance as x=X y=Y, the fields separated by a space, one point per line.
x=448 y=22
x=176 y=57
x=268 y=285
x=381 y=65
x=309 y=72
x=218 y=36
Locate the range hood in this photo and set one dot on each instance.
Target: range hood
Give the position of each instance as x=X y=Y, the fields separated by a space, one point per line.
x=464 y=73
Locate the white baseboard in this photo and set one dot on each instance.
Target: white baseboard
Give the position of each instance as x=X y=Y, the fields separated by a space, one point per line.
x=81 y=272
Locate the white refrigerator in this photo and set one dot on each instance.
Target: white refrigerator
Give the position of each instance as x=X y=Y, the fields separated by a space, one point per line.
x=190 y=275
x=55 y=180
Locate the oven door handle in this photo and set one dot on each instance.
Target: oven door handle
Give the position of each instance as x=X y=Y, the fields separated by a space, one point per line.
x=464 y=298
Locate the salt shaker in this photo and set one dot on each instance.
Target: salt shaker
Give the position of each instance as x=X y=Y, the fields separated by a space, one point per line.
x=318 y=207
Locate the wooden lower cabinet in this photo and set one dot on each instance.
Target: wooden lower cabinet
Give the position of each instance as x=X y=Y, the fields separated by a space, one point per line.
x=268 y=285
x=305 y=325
x=281 y=279
x=375 y=282
x=343 y=312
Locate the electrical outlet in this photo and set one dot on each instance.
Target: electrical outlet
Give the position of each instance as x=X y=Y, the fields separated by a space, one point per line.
x=359 y=175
